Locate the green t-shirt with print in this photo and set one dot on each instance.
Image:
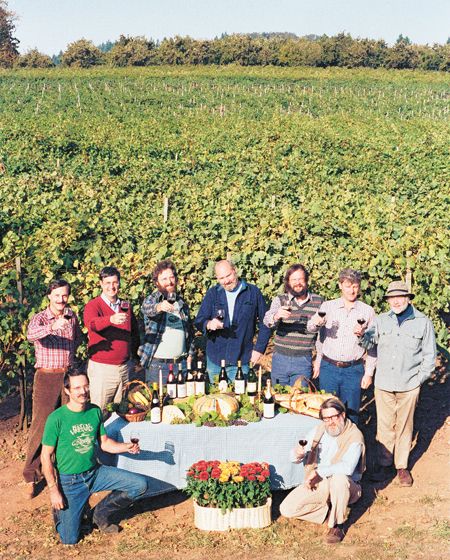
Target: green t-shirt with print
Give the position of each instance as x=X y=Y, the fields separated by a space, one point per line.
x=74 y=435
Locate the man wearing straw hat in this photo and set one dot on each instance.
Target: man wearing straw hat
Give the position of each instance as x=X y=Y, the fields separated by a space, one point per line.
x=406 y=359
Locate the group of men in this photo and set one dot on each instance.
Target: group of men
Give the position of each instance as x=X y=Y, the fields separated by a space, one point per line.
x=348 y=339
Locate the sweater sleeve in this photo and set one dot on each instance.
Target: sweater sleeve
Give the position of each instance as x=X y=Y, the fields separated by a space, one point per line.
x=92 y=318
x=205 y=312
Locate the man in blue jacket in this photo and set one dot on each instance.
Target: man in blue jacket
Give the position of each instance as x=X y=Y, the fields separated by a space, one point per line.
x=229 y=315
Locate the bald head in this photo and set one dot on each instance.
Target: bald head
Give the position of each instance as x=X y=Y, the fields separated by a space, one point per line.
x=226 y=275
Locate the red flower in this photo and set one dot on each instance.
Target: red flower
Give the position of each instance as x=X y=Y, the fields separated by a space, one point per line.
x=265 y=472
x=203 y=475
x=215 y=473
x=251 y=477
x=261 y=478
x=190 y=473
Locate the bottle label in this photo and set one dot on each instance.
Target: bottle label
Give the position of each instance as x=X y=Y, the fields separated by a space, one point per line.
x=172 y=390
x=199 y=387
x=251 y=387
x=239 y=386
x=155 y=415
x=269 y=410
x=252 y=398
x=190 y=388
x=181 y=391
x=223 y=386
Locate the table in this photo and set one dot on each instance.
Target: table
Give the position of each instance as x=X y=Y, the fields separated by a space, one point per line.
x=167 y=451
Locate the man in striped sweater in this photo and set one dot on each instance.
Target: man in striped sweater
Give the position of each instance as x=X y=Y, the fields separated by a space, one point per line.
x=288 y=315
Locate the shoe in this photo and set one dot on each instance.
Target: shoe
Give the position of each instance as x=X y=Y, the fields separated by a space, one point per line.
x=404 y=477
x=382 y=473
x=107 y=507
x=30 y=490
x=334 y=535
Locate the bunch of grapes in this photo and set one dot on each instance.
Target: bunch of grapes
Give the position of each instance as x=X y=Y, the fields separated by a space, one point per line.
x=209 y=424
x=238 y=422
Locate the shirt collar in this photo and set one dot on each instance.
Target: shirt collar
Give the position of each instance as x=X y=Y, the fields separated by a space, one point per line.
x=113 y=306
x=242 y=283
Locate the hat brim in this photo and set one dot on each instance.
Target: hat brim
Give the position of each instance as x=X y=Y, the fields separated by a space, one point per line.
x=393 y=294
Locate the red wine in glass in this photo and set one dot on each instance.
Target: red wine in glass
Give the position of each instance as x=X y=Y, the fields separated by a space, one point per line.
x=302 y=442
x=220 y=314
x=322 y=314
x=67 y=313
x=124 y=306
x=361 y=321
x=172 y=297
x=134 y=440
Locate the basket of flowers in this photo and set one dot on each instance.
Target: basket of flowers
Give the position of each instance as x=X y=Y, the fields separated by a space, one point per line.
x=230 y=495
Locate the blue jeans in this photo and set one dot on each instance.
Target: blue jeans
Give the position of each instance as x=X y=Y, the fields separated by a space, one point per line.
x=76 y=489
x=152 y=372
x=214 y=369
x=287 y=369
x=345 y=383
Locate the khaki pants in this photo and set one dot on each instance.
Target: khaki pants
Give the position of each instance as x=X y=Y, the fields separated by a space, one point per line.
x=106 y=382
x=338 y=491
x=395 y=416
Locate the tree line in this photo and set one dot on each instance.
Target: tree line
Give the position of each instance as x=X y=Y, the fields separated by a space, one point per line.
x=278 y=49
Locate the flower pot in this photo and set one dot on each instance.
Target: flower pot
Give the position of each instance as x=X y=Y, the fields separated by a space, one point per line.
x=212 y=519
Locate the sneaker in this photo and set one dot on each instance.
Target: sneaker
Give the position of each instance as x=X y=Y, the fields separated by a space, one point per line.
x=404 y=477
x=334 y=535
x=382 y=473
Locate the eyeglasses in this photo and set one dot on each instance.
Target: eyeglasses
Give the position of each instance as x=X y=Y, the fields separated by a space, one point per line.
x=330 y=418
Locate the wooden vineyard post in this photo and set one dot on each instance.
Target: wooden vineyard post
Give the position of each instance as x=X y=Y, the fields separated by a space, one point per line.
x=21 y=371
x=166 y=209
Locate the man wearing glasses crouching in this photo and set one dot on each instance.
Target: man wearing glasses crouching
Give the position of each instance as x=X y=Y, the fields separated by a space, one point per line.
x=334 y=459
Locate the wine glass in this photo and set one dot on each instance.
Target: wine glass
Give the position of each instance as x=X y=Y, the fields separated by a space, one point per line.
x=361 y=321
x=67 y=313
x=220 y=314
x=302 y=442
x=124 y=306
x=171 y=297
x=321 y=314
x=134 y=436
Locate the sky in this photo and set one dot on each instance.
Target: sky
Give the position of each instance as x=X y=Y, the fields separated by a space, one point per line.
x=50 y=25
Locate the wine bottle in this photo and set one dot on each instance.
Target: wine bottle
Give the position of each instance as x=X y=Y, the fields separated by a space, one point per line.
x=171 y=383
x=251 y=380
x=155 y=411
x=190 y=381
x=181 y=384
x=223 y=378
x=268 y=402
x=200 y=385
x=239 y=380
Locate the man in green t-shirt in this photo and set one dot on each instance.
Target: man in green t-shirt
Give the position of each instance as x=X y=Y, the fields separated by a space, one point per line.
x=71 y=433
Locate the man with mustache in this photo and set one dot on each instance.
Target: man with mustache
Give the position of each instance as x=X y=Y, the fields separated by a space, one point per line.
x=334 y=459
x=168 y=328
x=288 y=315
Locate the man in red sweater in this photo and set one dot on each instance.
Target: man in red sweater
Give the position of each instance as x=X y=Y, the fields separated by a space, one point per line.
x=113 y=340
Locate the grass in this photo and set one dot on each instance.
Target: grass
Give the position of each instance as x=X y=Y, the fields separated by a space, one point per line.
x=429 y=500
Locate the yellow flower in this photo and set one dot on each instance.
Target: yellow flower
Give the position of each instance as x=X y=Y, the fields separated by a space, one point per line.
x=238 y=478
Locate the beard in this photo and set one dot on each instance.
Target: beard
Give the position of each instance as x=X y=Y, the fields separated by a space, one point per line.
x=301 y=294
x=337 y=429
x=400 y=309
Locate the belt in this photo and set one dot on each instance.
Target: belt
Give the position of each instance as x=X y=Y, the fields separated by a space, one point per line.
x=342 y=364
x=164 y=360
x=51 y=370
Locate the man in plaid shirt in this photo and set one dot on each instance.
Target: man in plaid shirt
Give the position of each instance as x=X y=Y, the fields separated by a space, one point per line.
x=55 y=333
x=168 y=328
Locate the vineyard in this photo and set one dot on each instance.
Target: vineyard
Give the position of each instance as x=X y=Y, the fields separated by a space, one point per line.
x=332 y=168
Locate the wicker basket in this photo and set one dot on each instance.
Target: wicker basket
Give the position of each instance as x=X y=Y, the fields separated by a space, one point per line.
x=140 y=416
x=297 y=400
x=213 y=519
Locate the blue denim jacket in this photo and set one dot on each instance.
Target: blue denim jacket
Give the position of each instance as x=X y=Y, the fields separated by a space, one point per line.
x=235 y=341
x=406 y=353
